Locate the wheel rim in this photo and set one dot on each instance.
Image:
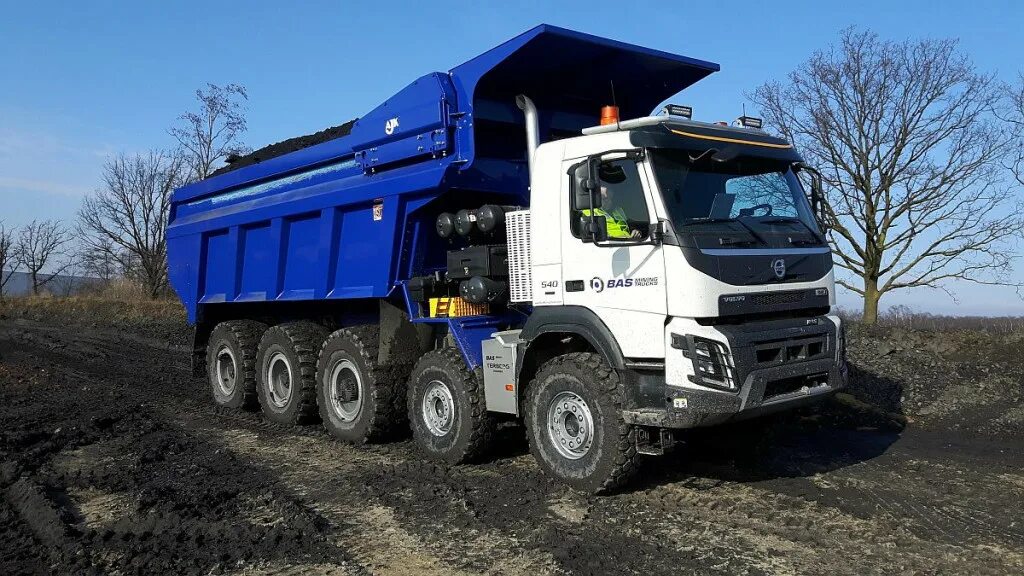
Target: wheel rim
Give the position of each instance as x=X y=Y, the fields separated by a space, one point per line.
x=570 y=425
x=346 y=390
x=438 y=408
x=227 y=370
x=279 y=379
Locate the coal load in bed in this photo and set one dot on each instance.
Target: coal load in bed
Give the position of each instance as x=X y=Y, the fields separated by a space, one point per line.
x=286 y=146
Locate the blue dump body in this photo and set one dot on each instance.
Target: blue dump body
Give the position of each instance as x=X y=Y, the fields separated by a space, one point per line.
x=354 y=217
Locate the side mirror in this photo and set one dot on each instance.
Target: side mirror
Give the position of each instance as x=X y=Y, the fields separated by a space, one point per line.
x=593 y=228
x=592 y=183
x=816 y=196
x=818 y=203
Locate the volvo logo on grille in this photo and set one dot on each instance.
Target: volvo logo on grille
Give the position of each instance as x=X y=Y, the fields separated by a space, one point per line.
x=779 y=267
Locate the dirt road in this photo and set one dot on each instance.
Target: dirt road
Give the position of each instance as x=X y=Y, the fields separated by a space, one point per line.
x=112 y=460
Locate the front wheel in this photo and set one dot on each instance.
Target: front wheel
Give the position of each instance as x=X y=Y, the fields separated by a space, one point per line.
x=575 y=426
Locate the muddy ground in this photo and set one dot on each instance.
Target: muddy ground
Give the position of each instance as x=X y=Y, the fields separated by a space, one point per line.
x=112 y=460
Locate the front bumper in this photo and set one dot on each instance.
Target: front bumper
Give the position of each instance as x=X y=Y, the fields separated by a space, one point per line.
x=762 y=387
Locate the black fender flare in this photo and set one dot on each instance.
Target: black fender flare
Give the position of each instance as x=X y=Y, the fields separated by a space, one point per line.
x=573 y=320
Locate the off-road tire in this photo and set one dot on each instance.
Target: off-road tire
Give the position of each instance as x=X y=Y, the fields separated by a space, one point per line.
x=472 y=427
x=299 y=343
x=381 y=414
x=241 y=339
x=612 y=458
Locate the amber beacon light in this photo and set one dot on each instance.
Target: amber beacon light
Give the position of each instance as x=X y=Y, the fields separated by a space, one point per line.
x=609 y=115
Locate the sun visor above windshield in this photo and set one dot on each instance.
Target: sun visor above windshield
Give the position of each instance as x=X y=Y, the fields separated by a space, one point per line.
x=728 y=142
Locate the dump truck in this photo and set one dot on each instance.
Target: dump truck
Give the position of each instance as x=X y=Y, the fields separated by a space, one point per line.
x=529 y=237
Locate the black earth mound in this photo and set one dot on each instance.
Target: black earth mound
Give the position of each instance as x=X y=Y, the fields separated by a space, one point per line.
x=286 y=147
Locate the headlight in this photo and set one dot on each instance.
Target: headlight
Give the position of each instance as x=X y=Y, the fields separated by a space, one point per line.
x=711 y=364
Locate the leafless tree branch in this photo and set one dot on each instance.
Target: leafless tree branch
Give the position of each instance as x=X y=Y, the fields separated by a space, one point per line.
x=40 y=246
x=125 y=221
x=8 y=257
x=911 y=156
x=212 y=133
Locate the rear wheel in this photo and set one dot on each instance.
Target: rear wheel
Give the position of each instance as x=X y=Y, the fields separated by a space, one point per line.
x=286 y=376
x=359 y=400
x=231 y=362
x=575 y=426
x=447 y=412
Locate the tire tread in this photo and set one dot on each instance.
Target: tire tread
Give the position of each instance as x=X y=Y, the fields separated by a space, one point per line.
x=305 y=337
x=388 y=419
x=607 y=384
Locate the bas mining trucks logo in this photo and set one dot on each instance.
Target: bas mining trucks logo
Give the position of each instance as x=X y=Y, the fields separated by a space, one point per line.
x=598 y=285
x=391 y=126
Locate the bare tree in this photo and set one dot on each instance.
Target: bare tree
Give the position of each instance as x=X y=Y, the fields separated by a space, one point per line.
x=8 y=258
x=1012 y=113
x=904 y=136
x=41 y=244
x=212 y=133
x=68 y=282
x=126 y=219
x=101 y=259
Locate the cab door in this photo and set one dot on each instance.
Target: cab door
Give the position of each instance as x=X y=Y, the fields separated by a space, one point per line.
x=622 y=280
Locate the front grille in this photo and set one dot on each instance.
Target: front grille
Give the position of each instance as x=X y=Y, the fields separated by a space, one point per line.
x=778 y=352
x=776 y=298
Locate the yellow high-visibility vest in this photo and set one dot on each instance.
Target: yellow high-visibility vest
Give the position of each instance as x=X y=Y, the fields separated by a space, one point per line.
x=615 y=222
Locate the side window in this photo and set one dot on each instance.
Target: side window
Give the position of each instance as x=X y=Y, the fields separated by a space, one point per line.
x=622 y=199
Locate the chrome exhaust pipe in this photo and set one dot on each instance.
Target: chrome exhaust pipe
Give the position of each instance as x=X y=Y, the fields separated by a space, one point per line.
x=532 y=127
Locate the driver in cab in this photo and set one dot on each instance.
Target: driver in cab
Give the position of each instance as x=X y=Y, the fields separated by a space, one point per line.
x=616 y=220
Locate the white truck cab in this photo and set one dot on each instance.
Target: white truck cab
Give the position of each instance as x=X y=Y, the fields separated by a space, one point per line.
x=683 y=264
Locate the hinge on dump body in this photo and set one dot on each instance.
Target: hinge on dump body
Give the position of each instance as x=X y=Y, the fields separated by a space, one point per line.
x=654 y=441
x=432 y=143
x=461 y=121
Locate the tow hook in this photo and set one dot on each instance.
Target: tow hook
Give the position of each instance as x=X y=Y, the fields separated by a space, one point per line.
x=654 y=441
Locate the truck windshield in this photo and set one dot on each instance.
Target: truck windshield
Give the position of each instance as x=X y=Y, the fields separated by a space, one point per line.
x=765 y=197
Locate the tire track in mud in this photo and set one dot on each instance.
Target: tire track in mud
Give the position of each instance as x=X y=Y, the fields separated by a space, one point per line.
x=382 y=510
x=187 y=496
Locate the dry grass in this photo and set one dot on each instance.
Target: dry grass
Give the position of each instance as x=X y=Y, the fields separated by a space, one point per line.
x=98 y=307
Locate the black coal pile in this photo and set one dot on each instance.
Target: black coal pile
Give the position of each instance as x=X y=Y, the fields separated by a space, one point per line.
x=286 y=146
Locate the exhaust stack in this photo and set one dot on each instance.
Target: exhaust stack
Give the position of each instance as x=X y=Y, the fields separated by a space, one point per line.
x=532 y=127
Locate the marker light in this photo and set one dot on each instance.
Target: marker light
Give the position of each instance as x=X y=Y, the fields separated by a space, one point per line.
x=679 y=110
x=750 y=122
x=609 y=115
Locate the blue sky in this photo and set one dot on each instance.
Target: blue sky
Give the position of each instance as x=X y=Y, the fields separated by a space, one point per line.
x=82 y=80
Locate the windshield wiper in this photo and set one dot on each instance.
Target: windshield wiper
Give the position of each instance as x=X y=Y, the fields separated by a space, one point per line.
x=780 y=219
x=752 y=232
x=732 y=241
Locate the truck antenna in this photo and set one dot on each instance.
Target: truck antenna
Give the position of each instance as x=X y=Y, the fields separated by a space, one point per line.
x=614 y=103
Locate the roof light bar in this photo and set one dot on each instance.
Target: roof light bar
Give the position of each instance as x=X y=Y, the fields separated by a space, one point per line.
x=679 y=110
x=750 y=122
